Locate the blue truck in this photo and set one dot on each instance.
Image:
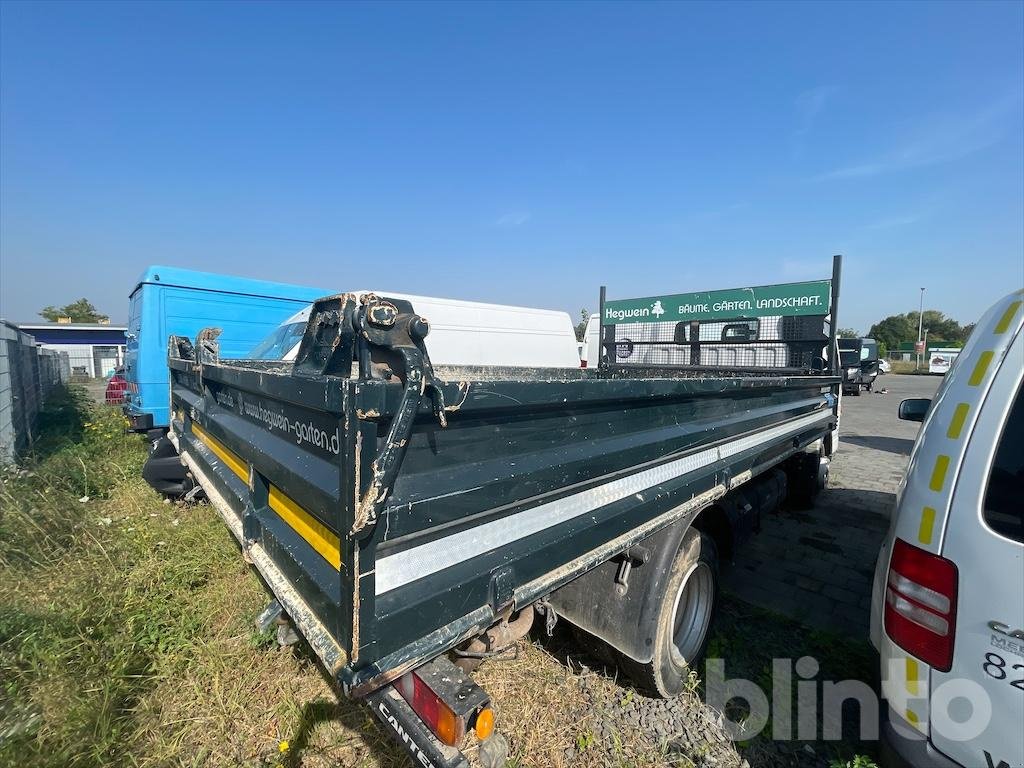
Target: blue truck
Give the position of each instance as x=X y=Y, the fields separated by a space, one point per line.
x=170 y=301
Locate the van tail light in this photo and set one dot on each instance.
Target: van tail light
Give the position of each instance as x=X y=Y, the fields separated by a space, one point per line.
x=920 y=604
x=583 y=363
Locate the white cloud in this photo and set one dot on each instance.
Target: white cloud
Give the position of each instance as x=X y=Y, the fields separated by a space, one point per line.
x=809 y=105
x=941 y=140
x=513 y=219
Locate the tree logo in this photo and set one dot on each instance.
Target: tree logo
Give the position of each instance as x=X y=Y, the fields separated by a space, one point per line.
x=656 y=309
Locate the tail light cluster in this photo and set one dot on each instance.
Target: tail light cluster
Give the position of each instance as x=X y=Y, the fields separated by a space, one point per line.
x=448 y=721
x=920 y=604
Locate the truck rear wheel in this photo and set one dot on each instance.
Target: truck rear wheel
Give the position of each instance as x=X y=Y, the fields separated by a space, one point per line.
x=684 y=619
x=806 y=475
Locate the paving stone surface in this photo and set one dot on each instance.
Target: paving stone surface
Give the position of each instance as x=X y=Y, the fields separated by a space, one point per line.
x=816 y=565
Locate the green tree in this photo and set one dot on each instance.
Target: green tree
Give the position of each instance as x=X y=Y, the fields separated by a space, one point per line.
x=894 y=329
x=81 y=311
x=847 y=333
x=581 y=326
x=940 y=327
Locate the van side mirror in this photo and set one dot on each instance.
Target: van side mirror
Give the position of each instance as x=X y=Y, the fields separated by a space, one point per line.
x=914 y=409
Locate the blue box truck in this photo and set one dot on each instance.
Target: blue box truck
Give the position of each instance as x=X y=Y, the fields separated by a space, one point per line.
x=171 y=301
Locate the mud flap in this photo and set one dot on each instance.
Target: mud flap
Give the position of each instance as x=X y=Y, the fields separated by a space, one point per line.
x=408 y=730
x=164 y=470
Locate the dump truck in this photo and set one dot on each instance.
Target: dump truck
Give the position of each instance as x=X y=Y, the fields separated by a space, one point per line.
x=411 y=521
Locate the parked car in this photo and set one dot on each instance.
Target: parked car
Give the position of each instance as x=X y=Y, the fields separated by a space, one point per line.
x=948 y=597
x=884 y=366
x=117 y=385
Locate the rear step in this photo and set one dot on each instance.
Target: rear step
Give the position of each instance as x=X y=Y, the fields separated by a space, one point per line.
x=430 y=710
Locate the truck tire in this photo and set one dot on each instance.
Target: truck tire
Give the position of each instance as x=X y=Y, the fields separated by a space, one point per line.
x=805 y=477
x=684 y=619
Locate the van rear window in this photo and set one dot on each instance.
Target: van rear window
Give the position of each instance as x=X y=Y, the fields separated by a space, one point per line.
x=1003 y=510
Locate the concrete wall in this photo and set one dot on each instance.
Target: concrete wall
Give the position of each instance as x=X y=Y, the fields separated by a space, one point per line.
x=27 y=375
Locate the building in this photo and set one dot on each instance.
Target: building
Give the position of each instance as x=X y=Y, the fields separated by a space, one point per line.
x=94 y=349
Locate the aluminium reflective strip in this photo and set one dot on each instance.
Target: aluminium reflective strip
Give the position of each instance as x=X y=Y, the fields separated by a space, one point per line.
x=404 y=567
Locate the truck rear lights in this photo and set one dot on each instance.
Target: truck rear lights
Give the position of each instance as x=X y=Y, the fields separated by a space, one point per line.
x=920 y=604
x=437 y=715
x=484 y=725
x=447 y=701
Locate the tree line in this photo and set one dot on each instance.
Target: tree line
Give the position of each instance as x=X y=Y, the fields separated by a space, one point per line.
x=81 y=311
x=894 y=329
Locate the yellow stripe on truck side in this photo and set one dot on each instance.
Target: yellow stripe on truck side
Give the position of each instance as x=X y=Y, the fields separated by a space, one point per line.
x=318 y=535
x=233 y=461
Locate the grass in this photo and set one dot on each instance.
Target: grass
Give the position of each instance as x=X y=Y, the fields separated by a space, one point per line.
x=904 y=366
x=125 y=625
x=127 y=639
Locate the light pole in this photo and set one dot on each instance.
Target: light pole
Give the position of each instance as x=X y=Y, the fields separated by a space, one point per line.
x=920 y=321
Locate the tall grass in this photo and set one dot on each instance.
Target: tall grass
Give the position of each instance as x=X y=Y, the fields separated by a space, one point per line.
x=126 y=635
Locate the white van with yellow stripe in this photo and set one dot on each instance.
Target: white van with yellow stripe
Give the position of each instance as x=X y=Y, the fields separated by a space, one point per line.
x=948 y=600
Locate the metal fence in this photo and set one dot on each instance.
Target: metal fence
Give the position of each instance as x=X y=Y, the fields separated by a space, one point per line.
x=27 y=376
x=760 y=342
x=91 y=361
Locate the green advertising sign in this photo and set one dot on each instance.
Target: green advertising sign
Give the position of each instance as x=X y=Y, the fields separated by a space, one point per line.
x=811 y=298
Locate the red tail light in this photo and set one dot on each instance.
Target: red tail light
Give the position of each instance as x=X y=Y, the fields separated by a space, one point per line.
x=920 y=604
x=437 y=715
x=583 y=363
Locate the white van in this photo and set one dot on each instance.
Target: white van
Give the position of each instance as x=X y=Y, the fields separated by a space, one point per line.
x=464 y=333
x=941 y=359
x=948 y=599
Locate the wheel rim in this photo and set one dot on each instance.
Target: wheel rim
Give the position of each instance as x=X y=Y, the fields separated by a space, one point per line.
x=691 y=614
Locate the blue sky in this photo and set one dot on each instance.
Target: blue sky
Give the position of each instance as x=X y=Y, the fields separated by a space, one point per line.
x=516 y=153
